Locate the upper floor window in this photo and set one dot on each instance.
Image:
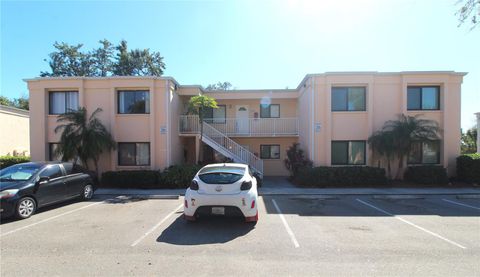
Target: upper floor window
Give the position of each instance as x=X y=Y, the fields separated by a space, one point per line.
x=61 y=102
x=348 y=99
x=217 y=115
x=133 y=102
x=423 y=98
x=270 y=111
x=348 y=152
x=425 y=153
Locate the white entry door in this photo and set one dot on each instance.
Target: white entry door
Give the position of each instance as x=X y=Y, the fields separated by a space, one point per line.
x=242 y=122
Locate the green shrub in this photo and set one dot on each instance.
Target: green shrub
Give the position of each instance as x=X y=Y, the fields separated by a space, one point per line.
x=6 y=161
x=468 y=168
x=143 y=179
x=341 y=176
x=426 y=175
x=178 y=176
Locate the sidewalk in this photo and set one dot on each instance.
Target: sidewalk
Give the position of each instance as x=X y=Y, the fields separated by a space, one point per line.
x=265 y=191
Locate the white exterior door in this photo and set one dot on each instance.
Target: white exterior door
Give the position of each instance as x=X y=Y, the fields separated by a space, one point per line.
x=242 y=122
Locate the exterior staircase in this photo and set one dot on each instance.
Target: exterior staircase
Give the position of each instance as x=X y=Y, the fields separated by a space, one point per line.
x=229 y=148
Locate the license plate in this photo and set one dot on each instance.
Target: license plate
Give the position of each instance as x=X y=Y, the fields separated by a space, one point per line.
x=218 y=210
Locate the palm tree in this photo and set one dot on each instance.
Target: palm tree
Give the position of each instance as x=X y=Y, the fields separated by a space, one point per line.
x=382 y=144
x=198 y=105
x=408 y=130
x=83 y=137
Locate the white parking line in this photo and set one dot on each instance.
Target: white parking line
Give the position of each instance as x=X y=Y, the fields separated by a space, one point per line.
x=50 y=218
x=461 y=204
x=155 y=227
x=412 y=224
x=289 y=231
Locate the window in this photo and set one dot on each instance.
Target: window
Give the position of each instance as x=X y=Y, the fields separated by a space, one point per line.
x=270 y=151
x=348 y=152
x=270 y=111
x=348 y=99
x=133 y=102
x=217 y=115
x=53 y=171
x=52 y=156
x=61 y=102
x=134 y=153
x=423 y=98
x=425 y=153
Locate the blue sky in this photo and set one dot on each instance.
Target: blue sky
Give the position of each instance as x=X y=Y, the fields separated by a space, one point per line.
x=252 y=44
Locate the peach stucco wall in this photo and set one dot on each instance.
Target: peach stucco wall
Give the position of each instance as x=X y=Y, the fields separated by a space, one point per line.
x=386 y=98
x=102 y=93
x=15 y=131
x=311 y=103
x=274 y=167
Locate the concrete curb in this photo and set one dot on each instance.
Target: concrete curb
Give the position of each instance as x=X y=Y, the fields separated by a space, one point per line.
x=469 y=196
x=398 y=197
x=170 y=194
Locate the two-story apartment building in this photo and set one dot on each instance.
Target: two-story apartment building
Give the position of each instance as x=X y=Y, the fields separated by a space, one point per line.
x=331 y=115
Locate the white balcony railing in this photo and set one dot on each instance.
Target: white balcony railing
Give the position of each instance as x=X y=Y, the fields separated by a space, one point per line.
x=284 y=126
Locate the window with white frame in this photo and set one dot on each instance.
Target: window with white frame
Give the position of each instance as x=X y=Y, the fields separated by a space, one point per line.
x=270 y=111
x=61 y=102
x=348 y=99
x=133 y=153
x=348 y=152
x=133 y=102
x=217 y=115
x=425 y=153
x=270 y=151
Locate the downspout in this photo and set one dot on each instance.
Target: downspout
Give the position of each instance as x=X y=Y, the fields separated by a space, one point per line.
x=167 y=108
x=312 y=121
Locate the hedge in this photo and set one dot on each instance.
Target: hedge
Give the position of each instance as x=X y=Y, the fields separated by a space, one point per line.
x=426 y=175
x=340 y=176
x=468 y=168
x=6 y=161
x=130 y=179
x=177 y=176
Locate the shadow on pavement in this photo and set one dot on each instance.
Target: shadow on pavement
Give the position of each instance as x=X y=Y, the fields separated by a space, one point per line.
x=206 y=230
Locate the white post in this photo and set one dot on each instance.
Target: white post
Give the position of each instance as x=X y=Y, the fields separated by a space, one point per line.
x=478 y=132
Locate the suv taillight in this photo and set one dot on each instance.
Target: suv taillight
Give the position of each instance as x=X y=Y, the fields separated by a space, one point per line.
x=246 y=185
x=194 y=185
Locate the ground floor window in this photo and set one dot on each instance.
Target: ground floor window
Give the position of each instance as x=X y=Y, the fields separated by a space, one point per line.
x=425 y=153
x=133 y=153
x=270 y=151
x=348 y=152
x=52 y=148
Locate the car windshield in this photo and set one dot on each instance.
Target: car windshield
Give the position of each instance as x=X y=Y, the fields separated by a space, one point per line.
x=18 y=172
x=221 y=175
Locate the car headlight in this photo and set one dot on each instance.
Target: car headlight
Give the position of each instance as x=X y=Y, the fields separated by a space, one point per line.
x=8 y=193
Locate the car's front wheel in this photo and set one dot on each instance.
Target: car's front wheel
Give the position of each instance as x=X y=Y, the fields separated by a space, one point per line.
x=25 y=208
x=87 y=192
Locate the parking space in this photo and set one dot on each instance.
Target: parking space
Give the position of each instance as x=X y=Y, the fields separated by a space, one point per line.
x=296 y=235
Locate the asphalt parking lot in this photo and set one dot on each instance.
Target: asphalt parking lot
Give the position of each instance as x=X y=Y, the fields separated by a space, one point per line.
x=296 y=235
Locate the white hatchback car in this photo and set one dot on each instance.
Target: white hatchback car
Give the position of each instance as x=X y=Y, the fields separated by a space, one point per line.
x=227 y=189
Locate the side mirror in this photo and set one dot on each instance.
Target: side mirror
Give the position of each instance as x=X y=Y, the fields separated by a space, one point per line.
x=43 y=180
